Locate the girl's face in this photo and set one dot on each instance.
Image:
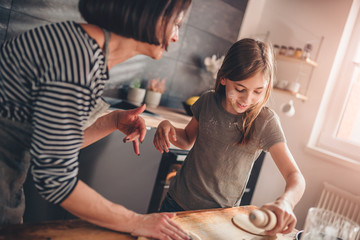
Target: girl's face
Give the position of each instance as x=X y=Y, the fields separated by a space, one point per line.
x=172 y=35
x=241 y=95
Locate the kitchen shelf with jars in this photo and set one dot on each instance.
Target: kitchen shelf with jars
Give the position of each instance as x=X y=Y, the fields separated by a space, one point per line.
x=295 y=68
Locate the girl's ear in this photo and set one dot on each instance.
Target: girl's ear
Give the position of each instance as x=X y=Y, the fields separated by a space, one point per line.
x=223 y=81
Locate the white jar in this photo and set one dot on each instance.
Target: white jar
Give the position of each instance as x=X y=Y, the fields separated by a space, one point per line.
x=152 y=99
x=136 y=95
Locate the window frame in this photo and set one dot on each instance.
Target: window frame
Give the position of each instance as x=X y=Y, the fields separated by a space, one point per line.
x=323 y=140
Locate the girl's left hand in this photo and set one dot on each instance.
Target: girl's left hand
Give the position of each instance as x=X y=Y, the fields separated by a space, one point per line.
x=132 y=125
x=286 y=219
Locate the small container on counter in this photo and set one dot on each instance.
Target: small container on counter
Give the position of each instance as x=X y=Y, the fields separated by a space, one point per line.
x=307 y=50
x=283 y=50
x=276 y=49
x=290 y=51
x=298 y=53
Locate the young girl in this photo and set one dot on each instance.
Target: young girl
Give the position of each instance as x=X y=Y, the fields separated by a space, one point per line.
x=229 y=129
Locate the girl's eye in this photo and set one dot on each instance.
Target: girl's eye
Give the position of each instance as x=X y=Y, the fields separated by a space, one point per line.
x=258 y=92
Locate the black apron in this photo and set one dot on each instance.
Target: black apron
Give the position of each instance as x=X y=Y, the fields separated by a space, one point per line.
x=15 y=139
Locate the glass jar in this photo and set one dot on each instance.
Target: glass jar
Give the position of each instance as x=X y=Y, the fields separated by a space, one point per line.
x=298 y=53
x=283 y=50
x=276 y=49
x=307 y=50
x=290 y=51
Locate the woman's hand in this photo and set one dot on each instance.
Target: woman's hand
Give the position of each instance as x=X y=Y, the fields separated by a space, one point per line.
x=165 y=132
x=286 y=219
x=158 y=226
x=90 y=206
x=132 y=125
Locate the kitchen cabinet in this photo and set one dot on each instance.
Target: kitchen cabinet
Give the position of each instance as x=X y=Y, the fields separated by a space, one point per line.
x=113 y=169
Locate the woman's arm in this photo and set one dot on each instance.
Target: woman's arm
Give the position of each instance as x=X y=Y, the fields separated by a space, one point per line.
x=90 y=206
x=127 y=122
x=294 y=189
x=166 y=133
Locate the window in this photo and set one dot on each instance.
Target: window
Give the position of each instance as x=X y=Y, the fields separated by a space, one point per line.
x=349 y=128
x=337 y=130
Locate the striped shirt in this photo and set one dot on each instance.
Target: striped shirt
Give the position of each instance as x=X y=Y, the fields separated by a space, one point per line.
x=52 y=77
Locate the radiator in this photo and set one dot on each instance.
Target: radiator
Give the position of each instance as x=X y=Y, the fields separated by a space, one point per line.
x=340 y=201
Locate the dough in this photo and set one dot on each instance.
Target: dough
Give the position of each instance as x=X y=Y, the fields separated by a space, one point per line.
x=242 y=221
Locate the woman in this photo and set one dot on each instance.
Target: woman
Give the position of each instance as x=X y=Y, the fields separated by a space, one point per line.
x=229 y=129
x=51 y=82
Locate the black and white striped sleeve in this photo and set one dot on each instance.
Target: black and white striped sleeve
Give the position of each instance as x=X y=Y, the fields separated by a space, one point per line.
x=60 y=110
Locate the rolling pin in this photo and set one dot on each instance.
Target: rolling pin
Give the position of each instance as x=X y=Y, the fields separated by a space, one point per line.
x=263 y=218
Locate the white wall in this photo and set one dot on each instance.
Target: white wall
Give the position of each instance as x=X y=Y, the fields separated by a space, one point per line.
x=293 y=22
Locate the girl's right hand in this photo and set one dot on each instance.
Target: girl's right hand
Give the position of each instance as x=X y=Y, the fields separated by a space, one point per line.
x=159 y=226
x=164 y=132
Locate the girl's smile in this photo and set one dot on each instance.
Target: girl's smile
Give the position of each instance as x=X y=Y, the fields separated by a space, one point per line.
x=241 y=95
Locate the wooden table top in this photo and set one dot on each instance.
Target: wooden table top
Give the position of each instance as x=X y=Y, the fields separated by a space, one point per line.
x=214 y=224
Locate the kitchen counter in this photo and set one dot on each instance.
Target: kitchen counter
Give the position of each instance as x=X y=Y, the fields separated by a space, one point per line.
x=152 y=115
x=214 y=224
x=177 y=117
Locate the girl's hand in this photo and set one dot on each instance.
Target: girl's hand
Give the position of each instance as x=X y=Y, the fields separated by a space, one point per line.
x=286 y=219
x=164 y=132
x=132 y=125
x=158 y=226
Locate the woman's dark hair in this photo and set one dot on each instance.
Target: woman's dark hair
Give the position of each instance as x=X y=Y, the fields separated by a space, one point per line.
x=243 y=60
x=137 y=19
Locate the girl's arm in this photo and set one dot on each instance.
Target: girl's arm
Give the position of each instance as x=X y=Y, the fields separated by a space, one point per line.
x=294 y=189
x=166 y=133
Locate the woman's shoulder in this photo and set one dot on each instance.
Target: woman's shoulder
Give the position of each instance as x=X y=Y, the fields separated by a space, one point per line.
x=55 y=26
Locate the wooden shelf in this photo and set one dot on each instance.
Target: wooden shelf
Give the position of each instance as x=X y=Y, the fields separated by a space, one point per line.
x=296 y=60
x=297 y=95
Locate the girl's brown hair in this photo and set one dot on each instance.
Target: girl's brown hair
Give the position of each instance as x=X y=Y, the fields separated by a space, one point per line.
x=137 y=19
x=243 y=60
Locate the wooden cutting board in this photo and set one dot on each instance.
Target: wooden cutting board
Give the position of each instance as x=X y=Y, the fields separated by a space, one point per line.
x=216 y=224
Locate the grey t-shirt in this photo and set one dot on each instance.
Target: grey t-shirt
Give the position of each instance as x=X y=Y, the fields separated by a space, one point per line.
x=217 y=168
